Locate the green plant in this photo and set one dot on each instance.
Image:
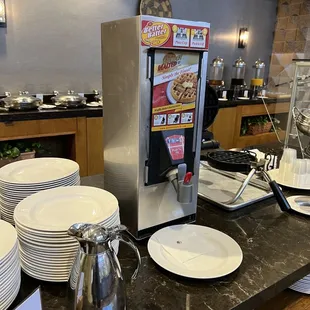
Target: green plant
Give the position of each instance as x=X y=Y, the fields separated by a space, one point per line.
x=13 y=149
x=252 y=121
x=8 y=151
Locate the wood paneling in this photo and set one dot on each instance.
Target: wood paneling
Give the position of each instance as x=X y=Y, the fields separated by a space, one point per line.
x=57 y=125
x=19 y=129
x=245 y=141
x=224 y=126
x=86 y=134
x=37 y=128
x=80 y=143
x=288 y=300
x=259 y=109
x=95 y=145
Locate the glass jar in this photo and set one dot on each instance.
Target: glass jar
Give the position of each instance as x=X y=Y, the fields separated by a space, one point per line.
x=258 y=73
x=238 y=72
x=216 y=71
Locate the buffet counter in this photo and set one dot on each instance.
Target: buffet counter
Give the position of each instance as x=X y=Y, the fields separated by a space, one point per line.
x=276 y=254
x=81 y=128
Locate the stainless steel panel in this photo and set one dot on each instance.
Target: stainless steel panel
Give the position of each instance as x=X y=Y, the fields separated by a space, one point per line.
x=121 y=79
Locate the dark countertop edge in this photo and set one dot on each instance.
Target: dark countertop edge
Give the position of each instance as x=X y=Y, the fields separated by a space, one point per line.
x=272 y=291
x=50 y=114
x=235 y=103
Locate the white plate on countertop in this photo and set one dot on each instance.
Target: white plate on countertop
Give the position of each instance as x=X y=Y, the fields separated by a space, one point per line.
x=243 y=98
x=300 y=204
x=223 y=99
x=194 y=251
x=274 y=174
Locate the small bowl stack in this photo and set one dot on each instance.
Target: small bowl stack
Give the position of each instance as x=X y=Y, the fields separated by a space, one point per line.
x=9 y=265
x=42 y=220
x=23 y=178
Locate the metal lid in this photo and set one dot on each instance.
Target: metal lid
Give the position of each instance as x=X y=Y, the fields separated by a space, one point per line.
x=22 y=97
x=259 y=64
x=217 y=62
x=70 y=97
x=239 y=63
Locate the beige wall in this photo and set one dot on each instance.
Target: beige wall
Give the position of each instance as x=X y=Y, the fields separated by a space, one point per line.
x=56 y=44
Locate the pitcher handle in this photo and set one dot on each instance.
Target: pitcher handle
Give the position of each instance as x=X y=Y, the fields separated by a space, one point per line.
x=125 y=239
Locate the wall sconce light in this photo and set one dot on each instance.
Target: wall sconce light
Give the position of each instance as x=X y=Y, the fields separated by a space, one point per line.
x=2 y=14
x=243 y=37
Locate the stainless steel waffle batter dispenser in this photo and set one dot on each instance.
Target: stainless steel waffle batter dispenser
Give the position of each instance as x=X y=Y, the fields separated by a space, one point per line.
x=154 y=83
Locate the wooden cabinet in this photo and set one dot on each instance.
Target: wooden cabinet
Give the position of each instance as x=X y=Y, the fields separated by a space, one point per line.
x=227 y=125
x=223 y=128
x=256 y=110
x=85 y=137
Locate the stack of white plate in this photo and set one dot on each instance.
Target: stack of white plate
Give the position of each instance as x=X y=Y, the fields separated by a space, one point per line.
x=42 y=220
x=21 y=179
x=9 y=265
x=302 y=286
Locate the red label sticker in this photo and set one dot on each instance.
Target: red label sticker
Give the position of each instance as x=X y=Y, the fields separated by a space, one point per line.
x=175 y=145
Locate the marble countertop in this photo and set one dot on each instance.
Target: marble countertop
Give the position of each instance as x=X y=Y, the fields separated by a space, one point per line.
x=276 y=254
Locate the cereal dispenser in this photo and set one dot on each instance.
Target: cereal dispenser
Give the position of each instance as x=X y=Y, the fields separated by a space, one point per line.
x=216 y=73
x=257 y=82
x=154 y=82
x=238 y=74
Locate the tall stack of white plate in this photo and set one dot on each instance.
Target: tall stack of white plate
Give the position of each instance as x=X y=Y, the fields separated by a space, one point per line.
x=9 y=265
x=302 y=286
x=42 y=220
x=21 y=179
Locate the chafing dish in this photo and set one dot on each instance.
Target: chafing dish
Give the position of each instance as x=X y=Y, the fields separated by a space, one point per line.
x=69 y=100
x=22 y=101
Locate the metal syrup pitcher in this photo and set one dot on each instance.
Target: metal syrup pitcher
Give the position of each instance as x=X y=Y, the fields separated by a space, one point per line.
x=96 y=280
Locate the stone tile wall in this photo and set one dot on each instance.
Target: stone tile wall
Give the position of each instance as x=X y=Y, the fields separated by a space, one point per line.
x=292 y=36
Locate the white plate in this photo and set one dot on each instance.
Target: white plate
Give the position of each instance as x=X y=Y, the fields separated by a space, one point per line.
x=300 y=204
x=223 y=99
x=47 y=106
x=20 y=188
x=57 y=209
x=93 y=104
x=274 y=174
x=243 y=98
x=8 y=240
x=9 y=300
x=169 y=94
x=195 y=251
x=112 y=221
x=38 y=170
x=39 y=276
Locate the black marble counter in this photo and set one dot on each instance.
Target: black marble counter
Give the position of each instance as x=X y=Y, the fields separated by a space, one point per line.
x=276 y=252
x=13 y=116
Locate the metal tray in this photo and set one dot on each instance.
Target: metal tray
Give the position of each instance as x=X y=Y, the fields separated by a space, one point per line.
x=217 y=186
